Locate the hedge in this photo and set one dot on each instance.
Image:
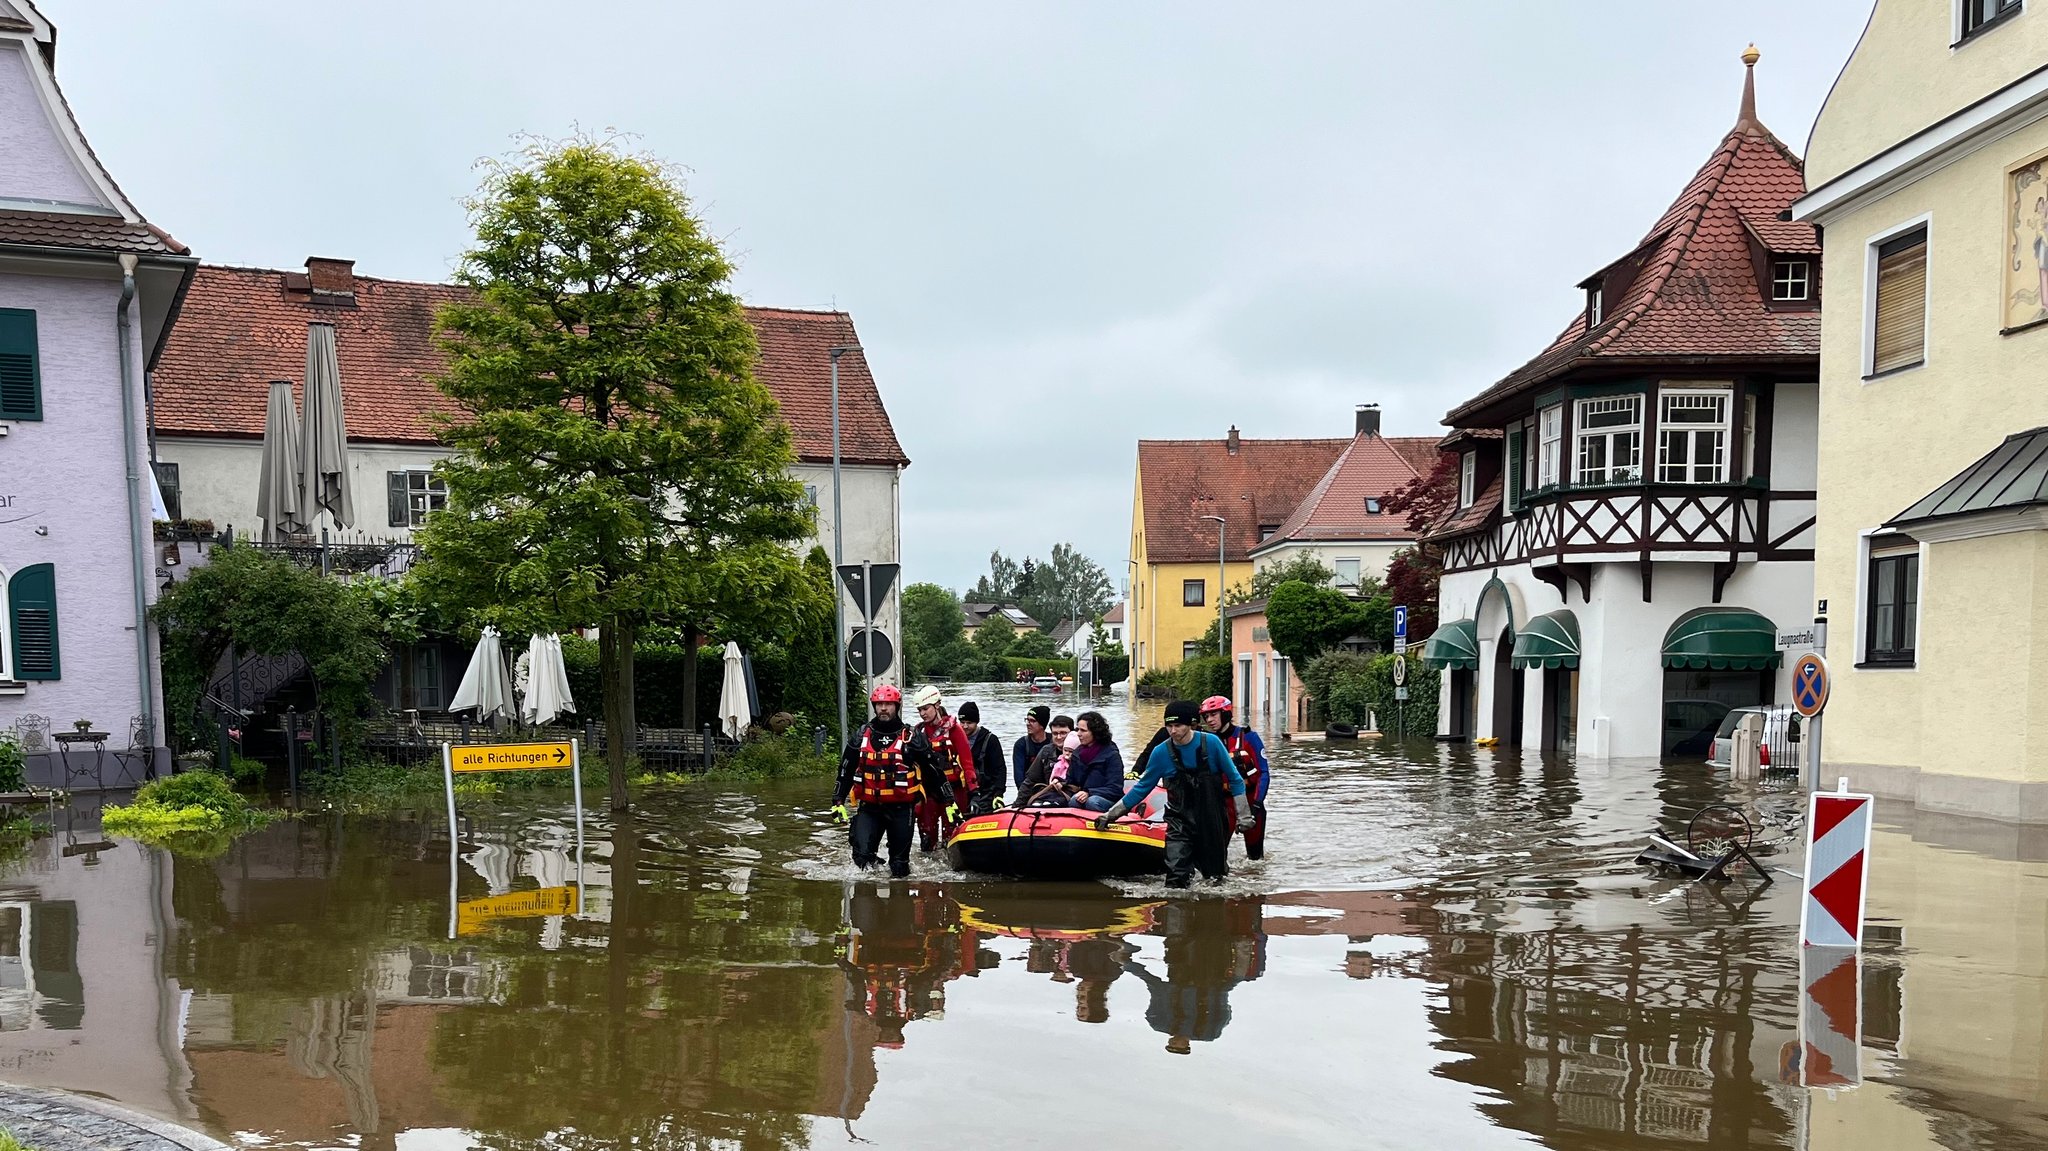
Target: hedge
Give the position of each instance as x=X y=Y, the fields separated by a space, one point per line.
x=1349 y=688
x=785 y=683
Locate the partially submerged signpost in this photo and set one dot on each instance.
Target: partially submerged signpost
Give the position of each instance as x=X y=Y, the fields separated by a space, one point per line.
x=561 y=755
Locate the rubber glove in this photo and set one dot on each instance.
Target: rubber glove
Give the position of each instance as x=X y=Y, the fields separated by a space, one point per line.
x=1116 y=811
x=840 y=812
x=952 y=813
x=997 y=804
x=1244 y=811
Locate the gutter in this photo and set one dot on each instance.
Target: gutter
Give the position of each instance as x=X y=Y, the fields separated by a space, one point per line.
x=145 y=682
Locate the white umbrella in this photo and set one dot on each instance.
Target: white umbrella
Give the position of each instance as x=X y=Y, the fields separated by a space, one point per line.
x=486 y=686
x=277 y=488
x=547 y=681
x=735 y=708
x=323 y=443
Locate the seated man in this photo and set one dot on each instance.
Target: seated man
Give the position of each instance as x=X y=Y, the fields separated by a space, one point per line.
x=1039 y=774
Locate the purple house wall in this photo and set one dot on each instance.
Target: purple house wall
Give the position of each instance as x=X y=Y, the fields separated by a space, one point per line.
x=74 y=487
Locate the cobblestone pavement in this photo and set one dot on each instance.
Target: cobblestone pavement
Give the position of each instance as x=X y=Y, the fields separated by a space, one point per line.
x=47 y=1120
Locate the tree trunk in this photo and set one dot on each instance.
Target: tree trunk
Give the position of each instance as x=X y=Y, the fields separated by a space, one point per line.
x=690 y=638
x=621 y=729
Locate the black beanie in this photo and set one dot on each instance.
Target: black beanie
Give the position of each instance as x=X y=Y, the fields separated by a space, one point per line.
x=1041 y=713
x=970 y=712
x=1182 y=711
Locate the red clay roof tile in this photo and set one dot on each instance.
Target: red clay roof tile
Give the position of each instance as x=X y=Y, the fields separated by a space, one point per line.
x=240 y=328
x=1369 y=468
x=1261 y=483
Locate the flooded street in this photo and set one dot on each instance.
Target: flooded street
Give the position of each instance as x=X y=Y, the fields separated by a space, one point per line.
x=1448 y=948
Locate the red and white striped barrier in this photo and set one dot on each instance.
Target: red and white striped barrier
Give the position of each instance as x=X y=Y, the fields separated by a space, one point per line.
x=1837 y=867
x=1830 y=1017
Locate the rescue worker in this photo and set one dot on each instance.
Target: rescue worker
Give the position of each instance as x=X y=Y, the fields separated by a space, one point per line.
x=1248 y=751
x=987 y=754
x=1034 y=740
x=1195 y=769
x=949 y=744
x=887 y=769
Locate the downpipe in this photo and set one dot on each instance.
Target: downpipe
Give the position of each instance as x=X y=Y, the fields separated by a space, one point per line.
x=145 y=684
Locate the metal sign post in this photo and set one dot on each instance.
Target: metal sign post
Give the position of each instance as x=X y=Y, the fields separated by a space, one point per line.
x=1810 y=687
x=1401 y=669
x=867 y=583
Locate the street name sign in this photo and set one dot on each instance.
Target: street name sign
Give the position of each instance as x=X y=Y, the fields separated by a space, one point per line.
x=1799 y=638
x=512 y=756
x=472 y=915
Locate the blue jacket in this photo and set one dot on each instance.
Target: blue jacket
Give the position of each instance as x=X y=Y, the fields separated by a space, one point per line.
x=1208 y=755
x=1022 y=753
x=1104 y=777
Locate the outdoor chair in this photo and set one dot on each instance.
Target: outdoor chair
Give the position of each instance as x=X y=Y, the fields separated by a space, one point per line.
x=33 y=733
x=136 y=762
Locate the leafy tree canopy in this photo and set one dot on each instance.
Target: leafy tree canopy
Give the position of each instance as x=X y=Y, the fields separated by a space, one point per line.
x=1307 y=621
x=932 y=624
x=615 y=462
x=994 y=637
x=1047 y=590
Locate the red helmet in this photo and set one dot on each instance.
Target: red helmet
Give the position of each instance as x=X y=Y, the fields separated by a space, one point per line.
x=1216 y=703
x=886 y=693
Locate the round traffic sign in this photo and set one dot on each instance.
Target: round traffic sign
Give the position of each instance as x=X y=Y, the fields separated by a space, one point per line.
x=1400 y=670
x=1810 y=684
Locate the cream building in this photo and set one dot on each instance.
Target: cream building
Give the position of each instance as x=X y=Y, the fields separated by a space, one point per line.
x=1928 y=177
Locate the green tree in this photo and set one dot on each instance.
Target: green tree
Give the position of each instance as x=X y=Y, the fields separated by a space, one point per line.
x=1306 y=621
x=994 y=637
x=1005 y=579
x=1061 y=585
x=1034 y=645
x=1301 y=567
x=932 y=624
x=615 y=462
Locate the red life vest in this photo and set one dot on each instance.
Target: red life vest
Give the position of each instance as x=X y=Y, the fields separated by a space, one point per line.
x=1241 y=752
x=885 y=775
x=946 y=738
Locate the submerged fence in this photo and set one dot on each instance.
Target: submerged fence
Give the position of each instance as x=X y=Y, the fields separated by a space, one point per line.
x=405 y=738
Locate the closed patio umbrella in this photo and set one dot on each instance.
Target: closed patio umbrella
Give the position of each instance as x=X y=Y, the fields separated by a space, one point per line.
x=277 y=488
x=323 y=441
x=486 y=685
x=735 y=704
x=547 y=681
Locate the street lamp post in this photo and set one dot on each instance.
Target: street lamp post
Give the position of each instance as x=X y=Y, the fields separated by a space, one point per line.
x=839 y=547
x=1222 y=625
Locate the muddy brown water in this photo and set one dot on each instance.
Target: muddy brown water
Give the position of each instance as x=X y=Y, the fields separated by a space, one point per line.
x=1444 y=949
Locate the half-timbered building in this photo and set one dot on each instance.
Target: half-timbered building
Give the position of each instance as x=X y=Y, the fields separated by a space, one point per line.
x=1636 y=504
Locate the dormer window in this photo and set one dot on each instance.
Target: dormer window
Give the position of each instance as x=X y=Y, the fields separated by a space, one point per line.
x=1791 y=281
x=1593 y=312
x=1468 y=473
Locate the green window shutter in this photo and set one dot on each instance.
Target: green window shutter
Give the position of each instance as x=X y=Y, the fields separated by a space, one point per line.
x=1514 y=466
x=401 y=515
x=32 y=608
x=21 y=380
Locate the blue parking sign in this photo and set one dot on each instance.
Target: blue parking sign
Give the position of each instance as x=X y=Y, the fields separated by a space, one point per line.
x=1401 y=622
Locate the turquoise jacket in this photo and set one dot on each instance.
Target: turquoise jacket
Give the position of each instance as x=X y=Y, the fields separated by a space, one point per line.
x=1166 y=761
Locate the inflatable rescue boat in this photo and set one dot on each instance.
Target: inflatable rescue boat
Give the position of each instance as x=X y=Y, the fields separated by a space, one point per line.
x=1061 y=843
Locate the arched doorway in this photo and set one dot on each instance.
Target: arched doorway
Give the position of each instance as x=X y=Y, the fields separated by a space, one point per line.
x=1507 y=691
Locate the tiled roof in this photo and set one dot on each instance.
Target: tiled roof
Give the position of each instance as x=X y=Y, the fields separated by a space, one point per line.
x=1482 y=509
x=95 y=233
x=1419 y=451
x=1116 y=614
x=240 y=328
x=1261 y=483
x=1694 y=292
x=1335 y=509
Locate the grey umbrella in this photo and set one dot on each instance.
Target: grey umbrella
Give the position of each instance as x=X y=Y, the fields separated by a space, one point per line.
x=277 y=492
x=323 y=445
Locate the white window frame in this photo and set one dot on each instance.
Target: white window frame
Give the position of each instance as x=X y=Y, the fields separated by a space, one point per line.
x=1870 y=247
x=1881 y=541
x=1749 y=435
x=1781 y=282
x=1594 y=307
x=1692 y=431
x=1468 y=471
x=1581 y=436
x=418 y=500
x=1357 y=571
x=1550 y=449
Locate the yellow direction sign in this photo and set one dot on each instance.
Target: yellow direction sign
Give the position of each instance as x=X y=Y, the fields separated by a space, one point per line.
x=511 y=756
x=471 y=915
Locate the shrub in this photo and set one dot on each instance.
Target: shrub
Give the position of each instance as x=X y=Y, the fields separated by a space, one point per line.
x=1350 y=688
x=13 y=763
x=196 y=813
x=1156 y=683
x=1202 y=676
x=776 y=757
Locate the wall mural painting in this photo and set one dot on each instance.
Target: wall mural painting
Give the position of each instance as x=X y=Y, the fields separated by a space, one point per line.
x=2026 y=268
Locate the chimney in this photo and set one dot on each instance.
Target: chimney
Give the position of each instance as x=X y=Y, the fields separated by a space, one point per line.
x=1231 y=440
x=333 y=280
x=1368 y=420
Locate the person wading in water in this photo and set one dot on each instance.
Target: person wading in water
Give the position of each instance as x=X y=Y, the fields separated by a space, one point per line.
x=1195 y=768
x=1248 y=752
x=887 y=769
x=988 y=760
x=949 y=744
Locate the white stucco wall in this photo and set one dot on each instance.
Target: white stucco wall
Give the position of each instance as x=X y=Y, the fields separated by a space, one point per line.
x=1373 y=557
x=64 y=500
x=219 y=480
x=38 y=165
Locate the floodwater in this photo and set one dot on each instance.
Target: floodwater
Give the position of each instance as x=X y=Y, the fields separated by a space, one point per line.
x=1444 y=949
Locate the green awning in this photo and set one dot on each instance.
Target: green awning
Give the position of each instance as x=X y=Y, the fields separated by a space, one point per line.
x=1454 y=646
x=1549 y=641
x=1722 y=637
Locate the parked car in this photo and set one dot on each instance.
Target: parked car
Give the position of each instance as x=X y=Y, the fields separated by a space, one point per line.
x=1782 y=731
x=1689 y=726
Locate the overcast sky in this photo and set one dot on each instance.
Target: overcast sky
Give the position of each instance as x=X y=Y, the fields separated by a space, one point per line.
x=1059 y=227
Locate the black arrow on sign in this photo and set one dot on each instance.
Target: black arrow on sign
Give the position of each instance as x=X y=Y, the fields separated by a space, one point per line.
x=560 y=755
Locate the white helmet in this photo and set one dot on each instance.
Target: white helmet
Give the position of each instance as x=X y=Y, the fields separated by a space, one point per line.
x=927 y=696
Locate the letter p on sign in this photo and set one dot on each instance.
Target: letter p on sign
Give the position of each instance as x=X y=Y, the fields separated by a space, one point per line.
x=1837 y=867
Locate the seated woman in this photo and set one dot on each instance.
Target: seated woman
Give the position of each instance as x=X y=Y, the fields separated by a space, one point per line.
x=1055 y=765
x=1095 y=777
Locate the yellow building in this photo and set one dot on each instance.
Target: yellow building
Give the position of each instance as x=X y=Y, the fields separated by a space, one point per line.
x=1186 y=493
x=1928 y=176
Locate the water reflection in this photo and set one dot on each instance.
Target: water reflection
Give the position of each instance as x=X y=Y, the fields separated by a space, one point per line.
x=1479 y=964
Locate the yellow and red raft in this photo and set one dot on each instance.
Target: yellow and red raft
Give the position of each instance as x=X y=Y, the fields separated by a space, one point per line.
x=1061 y=843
